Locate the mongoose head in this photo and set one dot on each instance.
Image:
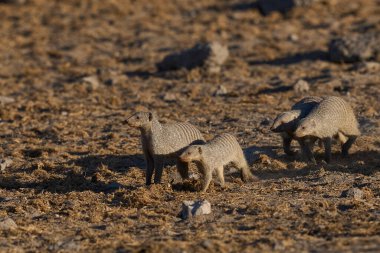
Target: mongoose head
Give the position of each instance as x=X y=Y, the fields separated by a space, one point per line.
x=284 y=121
x=140 y=119
x=192 y=153
x=306 y=127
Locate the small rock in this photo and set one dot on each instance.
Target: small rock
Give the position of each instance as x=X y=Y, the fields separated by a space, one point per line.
x=113 y=186
x=169 y=97
x=221 y=91
x=293 y=37
x=209 y=55
x=264 y=159
x=206 y=244
x=195 y=208
x=355 y=48
x=368 y=67
x=194 y=176
x=4 y=163
x=7 y=224
x=217 y=56
x=92 y=82
x=301 y=86
x=6 y=100
x=370 y=112
x=354 y=193
x=266 y=122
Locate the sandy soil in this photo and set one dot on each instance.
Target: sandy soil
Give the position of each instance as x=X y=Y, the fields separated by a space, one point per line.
x=77 y=69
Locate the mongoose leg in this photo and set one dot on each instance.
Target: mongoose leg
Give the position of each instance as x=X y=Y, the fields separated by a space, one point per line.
x=342 y=138
x=207 y=177
x=286 y=142
x=306 y=151
x=311 y=142
x=320 y=143
x=183 y=169
x=149 y=169
x=327 y=144
x=242 y=165
x=159 y=167
x=346 y=146
x=220 y=174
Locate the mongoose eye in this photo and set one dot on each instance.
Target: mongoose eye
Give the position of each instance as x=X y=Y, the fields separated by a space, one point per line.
x=137 y=117
x=303 y=128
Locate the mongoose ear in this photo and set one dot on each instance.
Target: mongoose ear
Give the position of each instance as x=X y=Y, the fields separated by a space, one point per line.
x=150 y=116
x=200 y=150
x=313 y=123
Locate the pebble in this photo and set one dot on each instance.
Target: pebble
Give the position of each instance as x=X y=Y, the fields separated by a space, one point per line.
x=301 y=86
x=354 y=193
x=355 y=48
x=4 y=163
x=92 y=82
x=6 y=100
x=195 y=208
x=7 y=224
x=221 y=91
x=211 y=56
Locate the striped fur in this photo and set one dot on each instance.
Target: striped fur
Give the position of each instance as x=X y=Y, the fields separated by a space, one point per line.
x=214 y=155
x=332 y=117
x=163 y=143
x=287 y=122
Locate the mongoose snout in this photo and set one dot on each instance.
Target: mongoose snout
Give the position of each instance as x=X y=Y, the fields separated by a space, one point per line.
x=191 y=153
x=284 y=121
x=139 y=119
x=305 y=128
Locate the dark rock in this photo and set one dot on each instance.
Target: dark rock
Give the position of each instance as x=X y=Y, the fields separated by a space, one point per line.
x=283 y=6
x=355 y=48
x=209 y=55
x=13 y=1
x=354 y=193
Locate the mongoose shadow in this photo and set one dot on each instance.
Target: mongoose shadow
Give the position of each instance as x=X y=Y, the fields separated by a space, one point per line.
x=294 y=59
x=252 y=153
x=118 y=163
x=62 y=183
x=359 y=162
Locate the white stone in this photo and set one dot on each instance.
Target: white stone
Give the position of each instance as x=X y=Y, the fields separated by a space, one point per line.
x=301 y=86
x=7 y=224
x=195 y=208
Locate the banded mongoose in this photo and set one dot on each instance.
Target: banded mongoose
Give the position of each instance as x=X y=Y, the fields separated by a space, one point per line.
x=287 y=122
x=163 y=143
x=214 y=155
x=332 y=117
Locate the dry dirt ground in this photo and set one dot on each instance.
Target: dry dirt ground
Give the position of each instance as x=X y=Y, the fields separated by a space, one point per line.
x=77 y=69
